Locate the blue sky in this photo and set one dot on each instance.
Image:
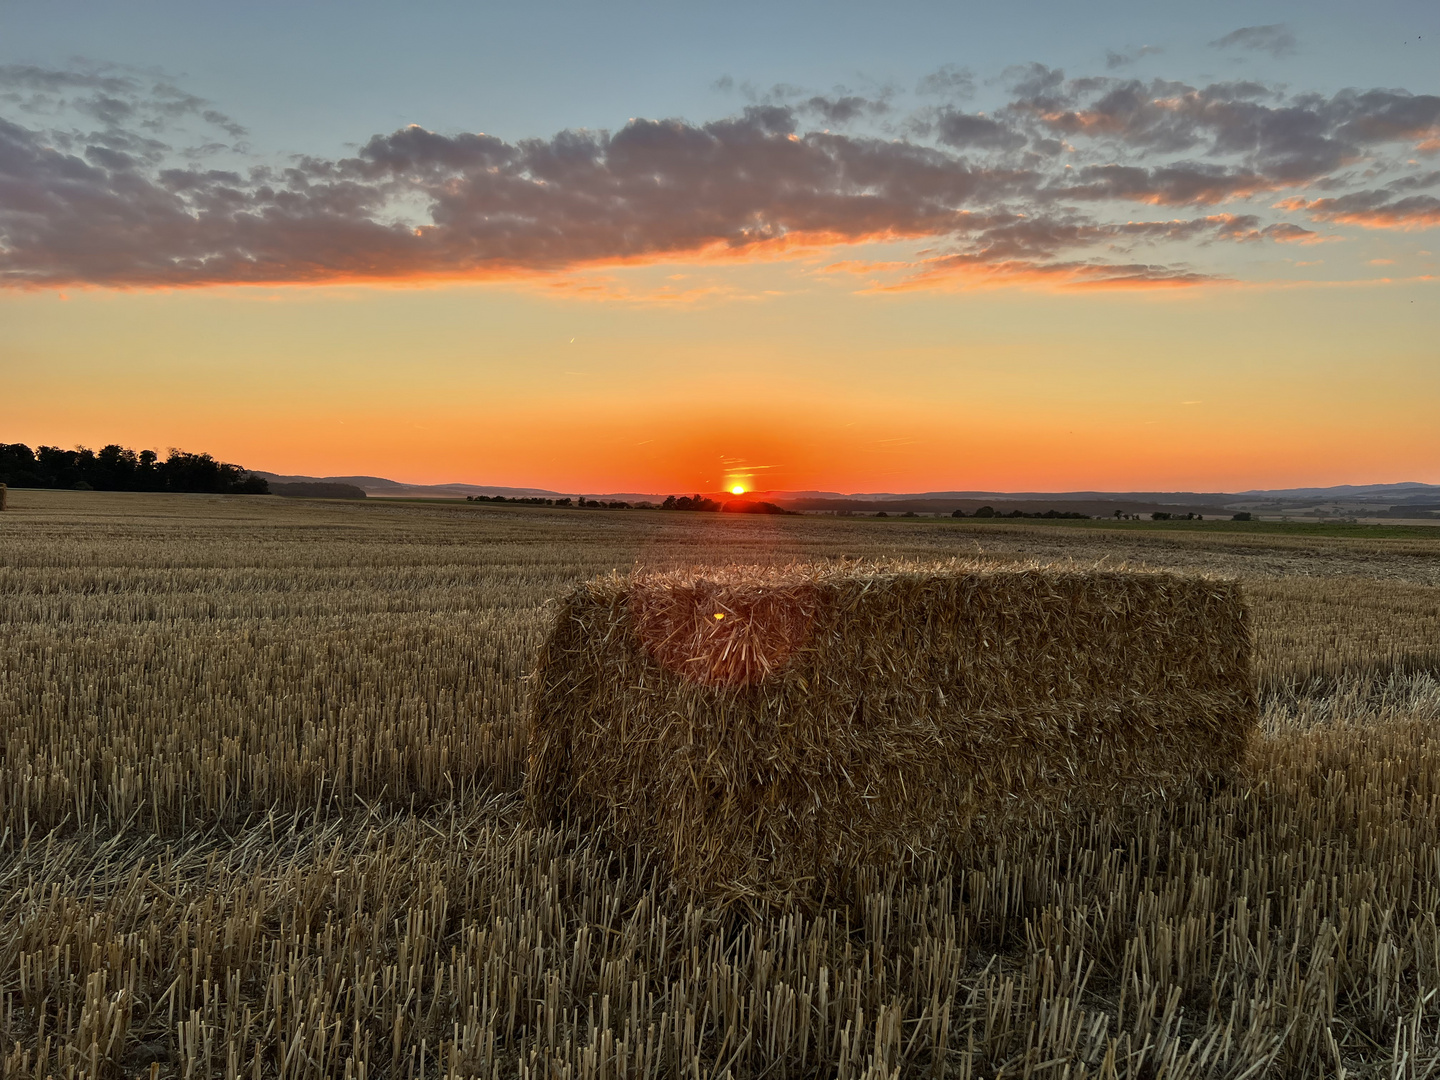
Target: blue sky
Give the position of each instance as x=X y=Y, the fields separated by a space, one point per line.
x=316 y=77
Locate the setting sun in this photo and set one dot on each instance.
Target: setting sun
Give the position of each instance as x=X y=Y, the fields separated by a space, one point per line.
x=737 y=490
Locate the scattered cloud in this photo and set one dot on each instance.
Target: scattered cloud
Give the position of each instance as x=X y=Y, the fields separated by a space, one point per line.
x=1115 y=59
x=975 y=131
x=948 y=81
x=969 y=271
x=1060 y=185
x=844 y=108
x=123 y=106
x=1372 y=209
x=1287 y=232
x=1274 y=38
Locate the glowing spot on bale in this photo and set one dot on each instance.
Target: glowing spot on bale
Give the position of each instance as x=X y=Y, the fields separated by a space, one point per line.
x=718 y=615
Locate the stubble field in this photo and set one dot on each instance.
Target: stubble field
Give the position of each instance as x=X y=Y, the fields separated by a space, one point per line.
x=259 y=816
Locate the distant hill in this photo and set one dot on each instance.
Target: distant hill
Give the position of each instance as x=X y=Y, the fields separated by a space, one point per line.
x=1346 y=498
x=378 y=485
x=1406 y=492
x=1072 y=502
x=1370 y=493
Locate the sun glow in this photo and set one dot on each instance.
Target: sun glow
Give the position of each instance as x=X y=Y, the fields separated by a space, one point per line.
x=738 y=489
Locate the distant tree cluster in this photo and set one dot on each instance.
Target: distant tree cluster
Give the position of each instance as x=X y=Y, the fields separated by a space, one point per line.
x=582 y=502
x=690 y=502
x=1046 y=515
x=747 y=506
x=317 y=489
x=615 y=504
x=730 y=506
x=1159 y=515
x=521 y=500
x=115 y=468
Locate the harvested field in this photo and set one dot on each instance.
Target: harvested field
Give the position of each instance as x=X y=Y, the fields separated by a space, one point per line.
x=765 y=732
x=261 y=764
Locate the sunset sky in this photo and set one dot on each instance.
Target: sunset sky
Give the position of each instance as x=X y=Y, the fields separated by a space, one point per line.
x=646 y=247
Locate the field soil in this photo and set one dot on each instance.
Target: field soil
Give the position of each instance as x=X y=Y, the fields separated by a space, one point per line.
x=260 y=764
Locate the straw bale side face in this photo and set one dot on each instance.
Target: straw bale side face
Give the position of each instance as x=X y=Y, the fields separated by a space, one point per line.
x=832 y=718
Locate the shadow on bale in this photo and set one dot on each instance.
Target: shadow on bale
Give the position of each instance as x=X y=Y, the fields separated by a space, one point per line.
x=769 y=733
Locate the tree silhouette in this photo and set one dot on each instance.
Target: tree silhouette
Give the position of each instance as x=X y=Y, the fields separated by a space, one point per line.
x=116 y=468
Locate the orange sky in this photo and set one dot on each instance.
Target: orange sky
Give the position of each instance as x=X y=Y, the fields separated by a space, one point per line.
x=775 y=377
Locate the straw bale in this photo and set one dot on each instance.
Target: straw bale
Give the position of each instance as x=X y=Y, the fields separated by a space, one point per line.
x=761 y=730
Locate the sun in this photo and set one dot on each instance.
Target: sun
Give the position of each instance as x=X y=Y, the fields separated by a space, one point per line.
x=738 y=489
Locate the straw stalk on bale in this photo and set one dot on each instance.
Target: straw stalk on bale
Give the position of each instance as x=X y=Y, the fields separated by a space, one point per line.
x=764 y=730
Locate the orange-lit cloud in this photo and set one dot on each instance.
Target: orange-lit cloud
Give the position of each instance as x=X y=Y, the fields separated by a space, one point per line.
x=1372 y=210
x=958 y=271
x=999 y=193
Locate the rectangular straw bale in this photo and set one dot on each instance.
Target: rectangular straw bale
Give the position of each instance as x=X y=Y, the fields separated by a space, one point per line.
x=760 y=729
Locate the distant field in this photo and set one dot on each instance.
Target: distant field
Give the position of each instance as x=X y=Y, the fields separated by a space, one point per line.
x=1355 y=530
x=258 y=772
x=1219 y=523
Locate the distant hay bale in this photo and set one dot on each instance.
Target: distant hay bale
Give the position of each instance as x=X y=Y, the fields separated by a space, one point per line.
x=4 y=497
x=761 y=730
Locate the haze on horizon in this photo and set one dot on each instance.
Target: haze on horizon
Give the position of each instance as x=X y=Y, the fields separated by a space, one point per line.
x=804 y=247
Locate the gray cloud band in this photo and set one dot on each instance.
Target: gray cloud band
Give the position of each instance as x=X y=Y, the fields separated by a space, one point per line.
x=1045 y=186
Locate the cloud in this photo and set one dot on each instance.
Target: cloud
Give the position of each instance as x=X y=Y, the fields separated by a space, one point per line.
x=844 y=108
x=1055 y=186
x=1011 y=248
x=948 y=81
x=117 y=97
x=653 y=189
x=1036 y=82
x=968 y=271
x=1372 y=210
x=1287 y=232
x=1001 y=238
x=976 y=131
x=1274 y=38
x=1271 y=141
x=1115 y=59
x=1373 y=116
x=1185 y=183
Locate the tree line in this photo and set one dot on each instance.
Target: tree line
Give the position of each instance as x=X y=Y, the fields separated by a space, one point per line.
x=730 y=506
x=117 y=468
x=1047 y=515
x=672 y=502
x=525 y=500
